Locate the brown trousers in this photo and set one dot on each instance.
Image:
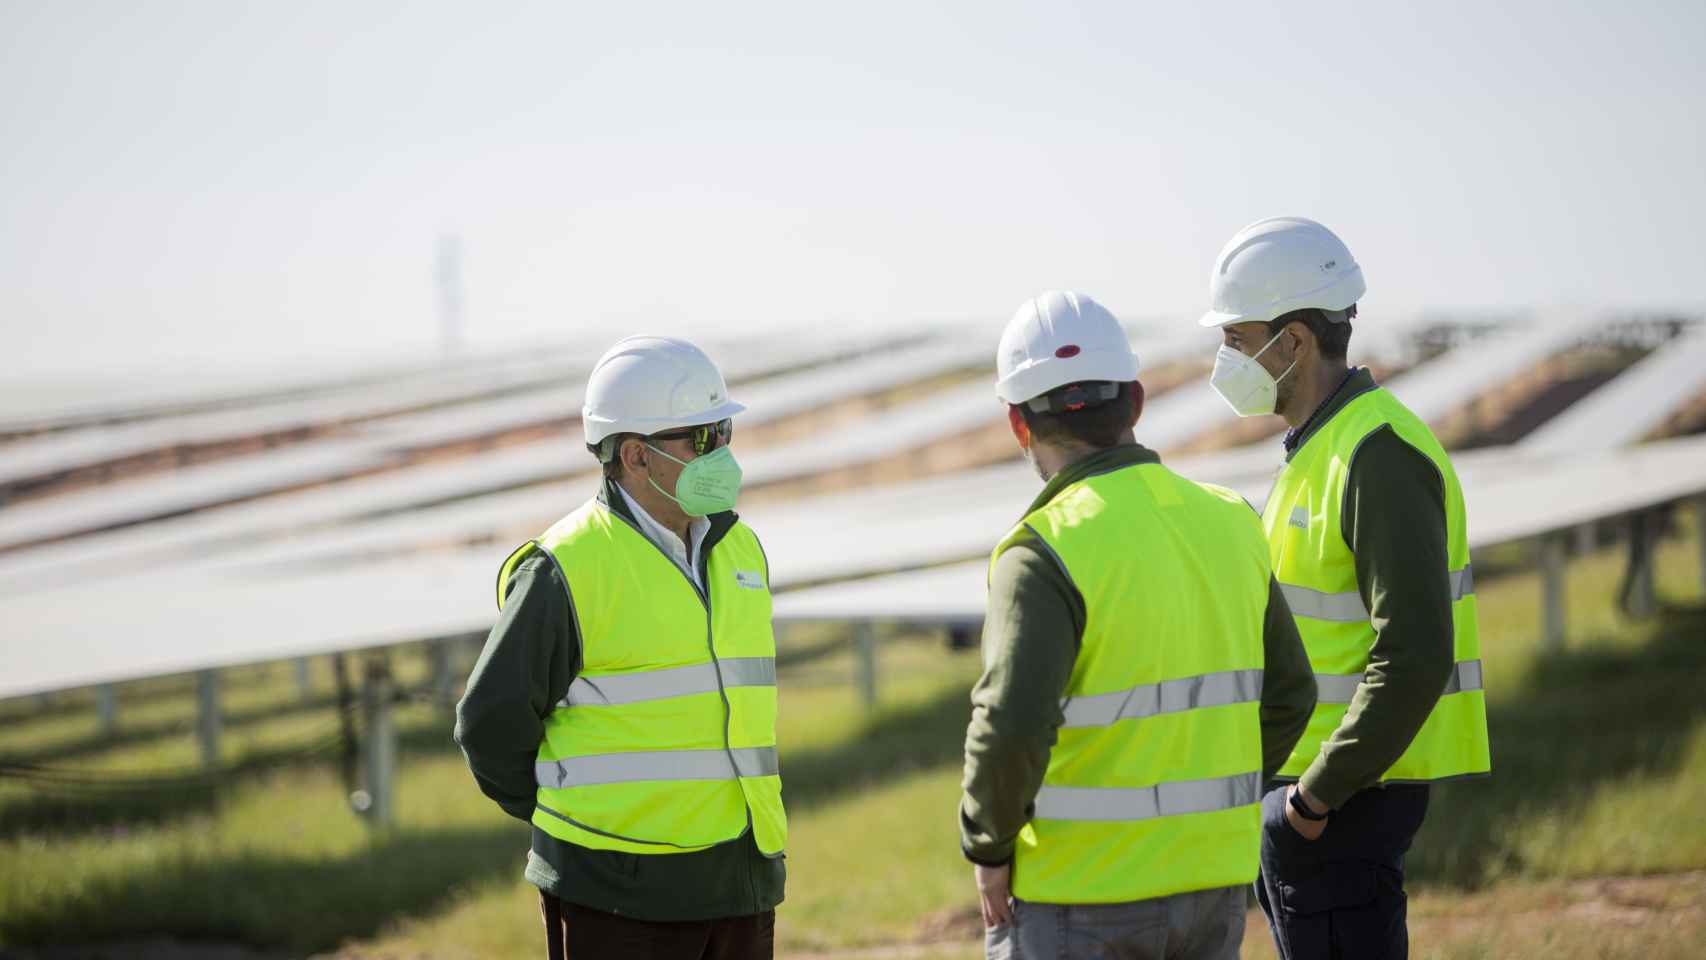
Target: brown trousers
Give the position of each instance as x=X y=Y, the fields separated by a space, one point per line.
x=575 y=931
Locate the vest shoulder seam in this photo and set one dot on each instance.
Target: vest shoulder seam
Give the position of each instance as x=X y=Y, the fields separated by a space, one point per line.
x=761 y=551
x=578 y=640
x=1351 y=463
x=512 y=565
x=1047 y=549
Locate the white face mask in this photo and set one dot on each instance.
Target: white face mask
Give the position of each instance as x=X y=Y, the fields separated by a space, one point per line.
x=1243 y=383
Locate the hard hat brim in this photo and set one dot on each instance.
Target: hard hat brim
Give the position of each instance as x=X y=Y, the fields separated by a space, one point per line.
x=1339 y=294
x=1215 y=318
x=1039 y=377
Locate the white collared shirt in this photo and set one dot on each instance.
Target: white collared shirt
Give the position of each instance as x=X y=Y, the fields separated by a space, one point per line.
x=667 y=541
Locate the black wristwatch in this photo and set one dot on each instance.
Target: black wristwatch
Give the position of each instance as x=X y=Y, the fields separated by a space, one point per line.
x=1296 y=801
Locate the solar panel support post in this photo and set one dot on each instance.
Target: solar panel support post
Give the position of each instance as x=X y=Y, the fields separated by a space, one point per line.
x=304 y=683
x=865 y=656
x=1587 y=538
x=1643 y=595
x=106 y=707
x=443 y=679
x=1700 y=535
x=1553 y=566
x=208 y=722
x=380 y=747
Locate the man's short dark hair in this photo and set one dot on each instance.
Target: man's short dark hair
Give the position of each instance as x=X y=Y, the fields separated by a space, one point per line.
x=1334 y=337
x=1101 y=426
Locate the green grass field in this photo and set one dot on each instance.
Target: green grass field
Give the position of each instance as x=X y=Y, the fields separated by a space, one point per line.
x=1600 y=757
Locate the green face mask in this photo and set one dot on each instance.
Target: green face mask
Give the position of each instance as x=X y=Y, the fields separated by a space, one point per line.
x=708 y=484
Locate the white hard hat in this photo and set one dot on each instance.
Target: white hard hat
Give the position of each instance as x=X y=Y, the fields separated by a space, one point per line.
x=1278 y=265
x=1060 y=337
x=646 y=385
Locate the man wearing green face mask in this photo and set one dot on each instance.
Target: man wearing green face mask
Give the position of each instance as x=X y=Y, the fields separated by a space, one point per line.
x=625 y=704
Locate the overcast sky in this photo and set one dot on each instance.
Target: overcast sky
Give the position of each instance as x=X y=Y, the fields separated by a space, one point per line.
x=246 y=183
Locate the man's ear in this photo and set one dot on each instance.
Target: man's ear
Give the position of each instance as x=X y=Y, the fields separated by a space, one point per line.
x=1302 y=339
x=1136 y=403
x=1021 y=429
x=632 y=453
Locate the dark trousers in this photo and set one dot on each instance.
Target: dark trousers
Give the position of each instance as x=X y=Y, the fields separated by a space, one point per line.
x=1341 y=896
x=582 y=933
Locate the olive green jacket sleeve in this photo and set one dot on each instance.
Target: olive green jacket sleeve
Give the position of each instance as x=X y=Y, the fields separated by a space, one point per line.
x=530 y=658
x=1288 y=684
x=1394 y=523
x=1030 y=643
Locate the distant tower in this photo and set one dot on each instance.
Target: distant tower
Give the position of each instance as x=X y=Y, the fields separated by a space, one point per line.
x=449 y=271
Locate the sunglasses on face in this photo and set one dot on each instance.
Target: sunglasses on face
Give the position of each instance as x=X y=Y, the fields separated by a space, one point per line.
x=706 y=437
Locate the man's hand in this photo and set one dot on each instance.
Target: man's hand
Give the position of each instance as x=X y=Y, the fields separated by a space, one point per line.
x=1307 y=829
x=995 y=892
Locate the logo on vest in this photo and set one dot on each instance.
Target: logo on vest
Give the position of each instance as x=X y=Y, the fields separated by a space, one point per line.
x=1299 y=518
x=749 y=579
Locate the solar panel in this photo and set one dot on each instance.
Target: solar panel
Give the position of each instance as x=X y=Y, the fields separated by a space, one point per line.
x=1634 y=403
x=204 y=590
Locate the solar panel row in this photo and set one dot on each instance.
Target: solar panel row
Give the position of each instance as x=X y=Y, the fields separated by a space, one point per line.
x=297 y=574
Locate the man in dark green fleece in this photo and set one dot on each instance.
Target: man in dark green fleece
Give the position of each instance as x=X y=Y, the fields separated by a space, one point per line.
x=625 y=702
x=1367 y=532
x=1143 y=676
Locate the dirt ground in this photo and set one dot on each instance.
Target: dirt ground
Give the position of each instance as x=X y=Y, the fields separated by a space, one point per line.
x=1651 y=917
x=1602 y=916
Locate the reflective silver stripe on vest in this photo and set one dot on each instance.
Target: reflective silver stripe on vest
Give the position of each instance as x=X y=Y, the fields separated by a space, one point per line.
x=1340 y=688
x=1147 y=803
x=1462 y=582
x=619 y=688
x=1347 y=607
x=1169 y=696
x=1465 y=676
x=656 y=765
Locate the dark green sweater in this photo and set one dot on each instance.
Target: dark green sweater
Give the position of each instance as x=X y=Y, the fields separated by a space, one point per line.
x=530 y=658
x=1393 y=520
x=1031 y=638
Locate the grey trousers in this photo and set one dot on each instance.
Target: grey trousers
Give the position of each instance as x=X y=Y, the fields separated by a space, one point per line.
x=1205 y=925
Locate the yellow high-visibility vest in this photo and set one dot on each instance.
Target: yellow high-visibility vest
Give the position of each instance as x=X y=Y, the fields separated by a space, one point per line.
x=666 y=740
x=1154 y=784
x=1317 y=572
